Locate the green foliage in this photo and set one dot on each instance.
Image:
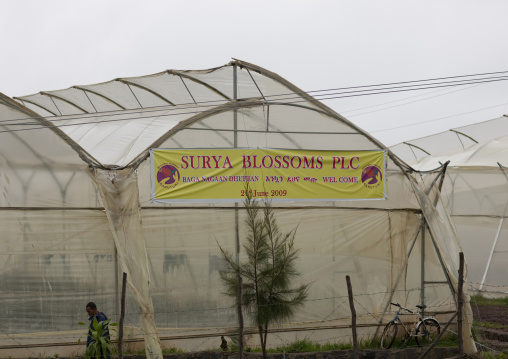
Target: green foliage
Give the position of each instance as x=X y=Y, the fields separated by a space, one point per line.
x=300 y=346
x=306 y=346
x=481 y=300
x=268 y=296
x=489 y=325
x=101 y=345
x=494 y=355
x=170 y=350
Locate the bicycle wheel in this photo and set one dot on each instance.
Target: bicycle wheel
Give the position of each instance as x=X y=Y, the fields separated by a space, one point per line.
x=389 y=334
x=427 y=331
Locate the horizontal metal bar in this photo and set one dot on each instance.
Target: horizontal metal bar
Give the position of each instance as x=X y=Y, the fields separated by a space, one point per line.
x=284 y=132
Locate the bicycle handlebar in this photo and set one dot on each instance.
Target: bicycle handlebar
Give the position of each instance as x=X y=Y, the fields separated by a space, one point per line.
x=401 y=307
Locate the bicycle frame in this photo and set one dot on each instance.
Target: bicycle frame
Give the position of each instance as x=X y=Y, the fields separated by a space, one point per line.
x=396 y=319
x=423 y=330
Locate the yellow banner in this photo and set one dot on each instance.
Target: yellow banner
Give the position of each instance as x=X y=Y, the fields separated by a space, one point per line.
x=218 y=175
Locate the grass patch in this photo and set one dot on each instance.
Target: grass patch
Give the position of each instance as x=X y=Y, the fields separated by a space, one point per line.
x=306 y=346
x=489 y=325
x=494 y=355
x=142 y=351
x=480 y=300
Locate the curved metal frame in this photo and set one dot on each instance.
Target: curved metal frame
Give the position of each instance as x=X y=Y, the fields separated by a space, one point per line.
x=35 y=104
x=82 y=153
x=325 y=108
x=236 y=105
x=126 y=82
x=100 y=95
x=210 y=87
x=415 y=146
x=230 y=106
x=49 y=94
x=463 y=134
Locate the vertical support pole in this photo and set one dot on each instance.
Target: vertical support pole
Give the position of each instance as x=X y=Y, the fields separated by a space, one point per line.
x=122 y=315
x=353 y=315
x=460 y=305
x=440 y=257
x=402 y=271
x=117 y=296
x=491 y=253
x=422 y=293
x=237 y=231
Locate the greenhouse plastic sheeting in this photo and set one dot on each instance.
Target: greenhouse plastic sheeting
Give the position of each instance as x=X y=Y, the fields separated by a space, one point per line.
x=77 y=213
x=475 y=191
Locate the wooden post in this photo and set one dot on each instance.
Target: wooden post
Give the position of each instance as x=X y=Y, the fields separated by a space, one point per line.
x=353 y=315
x=460 y=305
x=122 y=315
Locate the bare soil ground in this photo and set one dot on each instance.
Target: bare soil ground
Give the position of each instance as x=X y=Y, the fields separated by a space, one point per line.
x=491 y=314
x=492 y=325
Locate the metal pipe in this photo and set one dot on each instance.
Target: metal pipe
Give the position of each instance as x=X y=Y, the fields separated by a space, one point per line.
x=491 y=252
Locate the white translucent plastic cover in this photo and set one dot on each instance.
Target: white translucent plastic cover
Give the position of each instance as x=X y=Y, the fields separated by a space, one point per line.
x=75 y=213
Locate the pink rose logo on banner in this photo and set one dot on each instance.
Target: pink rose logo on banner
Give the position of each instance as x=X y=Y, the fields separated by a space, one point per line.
x=372 y=176
x=168 y=175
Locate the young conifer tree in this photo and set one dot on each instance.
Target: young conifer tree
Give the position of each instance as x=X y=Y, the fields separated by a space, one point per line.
x=268 y=271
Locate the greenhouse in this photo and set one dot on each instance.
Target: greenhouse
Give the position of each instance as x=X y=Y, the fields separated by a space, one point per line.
x=78 y=210
x=475 y=193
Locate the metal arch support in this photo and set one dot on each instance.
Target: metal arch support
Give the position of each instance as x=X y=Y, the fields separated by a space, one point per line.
x=275 y=103
x=415 y=146
x=463 y=134
x=133 y=94
x=220 y=135
x=331 y=113
x=35 y=104
x=184 y=124
x=255 y=83
x=100 y=95
x=156 y=94
x=91 y=103
x=216 y=110
x=82 y=153
x=441 y=175
x=182 y=74
x=441 y=261
x=64 y=100
x=188 y=91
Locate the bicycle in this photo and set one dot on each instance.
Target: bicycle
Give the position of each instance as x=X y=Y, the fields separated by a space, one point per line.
x=424 y=331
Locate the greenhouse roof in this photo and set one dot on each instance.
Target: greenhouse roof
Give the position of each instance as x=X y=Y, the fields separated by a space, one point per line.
x=114 y=124
x=455 y=139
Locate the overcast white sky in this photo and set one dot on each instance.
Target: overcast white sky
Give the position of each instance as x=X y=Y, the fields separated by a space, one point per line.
x=50 y=45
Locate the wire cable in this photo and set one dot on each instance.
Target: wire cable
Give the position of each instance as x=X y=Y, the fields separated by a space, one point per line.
x=287 y=96
x=291 y=99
